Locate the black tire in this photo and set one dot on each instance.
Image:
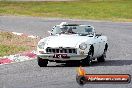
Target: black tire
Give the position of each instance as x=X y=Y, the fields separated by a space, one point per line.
x=101 y=59
x=88 y=60
x=42 y=62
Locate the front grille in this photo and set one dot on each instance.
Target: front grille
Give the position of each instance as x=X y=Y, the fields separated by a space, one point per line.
x=61 y=50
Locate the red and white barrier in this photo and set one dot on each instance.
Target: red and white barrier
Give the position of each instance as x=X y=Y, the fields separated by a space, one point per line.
x=22 y=34
x=18 y=57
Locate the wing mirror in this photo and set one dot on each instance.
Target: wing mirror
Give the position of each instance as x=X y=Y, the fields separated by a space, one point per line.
x=50 y=32
x=98 y=35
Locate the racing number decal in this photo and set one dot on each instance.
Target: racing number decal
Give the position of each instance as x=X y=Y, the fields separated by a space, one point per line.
x=57 y=56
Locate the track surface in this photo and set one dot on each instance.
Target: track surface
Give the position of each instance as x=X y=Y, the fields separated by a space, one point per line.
x=29 y=75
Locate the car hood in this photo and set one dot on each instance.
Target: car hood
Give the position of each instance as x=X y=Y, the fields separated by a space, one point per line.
x=65 y=40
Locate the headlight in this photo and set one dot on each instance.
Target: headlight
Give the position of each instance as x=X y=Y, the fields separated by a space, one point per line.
x=41 y=45
x=83 y=46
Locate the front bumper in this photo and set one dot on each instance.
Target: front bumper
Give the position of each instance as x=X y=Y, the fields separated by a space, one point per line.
x=69 y=57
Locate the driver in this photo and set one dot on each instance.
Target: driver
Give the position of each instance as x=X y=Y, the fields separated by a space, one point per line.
x=63 y=29
x=71 y=31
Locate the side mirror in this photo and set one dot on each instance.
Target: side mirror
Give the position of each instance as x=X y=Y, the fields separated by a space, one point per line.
x=98 y=35
x=50 y=32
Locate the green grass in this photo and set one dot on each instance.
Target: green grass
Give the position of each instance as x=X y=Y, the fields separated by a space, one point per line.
x=12 y=44
x=115 y=10
x=10 y=49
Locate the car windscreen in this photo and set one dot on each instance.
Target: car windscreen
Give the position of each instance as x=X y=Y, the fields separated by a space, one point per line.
x=72 y=29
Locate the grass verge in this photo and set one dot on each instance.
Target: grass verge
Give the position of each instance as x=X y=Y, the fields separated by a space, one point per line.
x=115 y=10
x=12 y=44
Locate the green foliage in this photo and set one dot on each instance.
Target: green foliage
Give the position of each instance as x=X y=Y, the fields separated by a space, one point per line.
x=12 y=44
x=10 y=49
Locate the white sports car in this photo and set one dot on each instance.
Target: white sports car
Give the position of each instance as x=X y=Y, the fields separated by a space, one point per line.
x=72 y=43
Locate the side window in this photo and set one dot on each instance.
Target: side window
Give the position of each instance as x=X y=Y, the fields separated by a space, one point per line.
x=89 y=30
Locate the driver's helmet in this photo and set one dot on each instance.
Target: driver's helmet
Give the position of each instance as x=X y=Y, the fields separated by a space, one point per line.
x=70 y=30
x=63 y=29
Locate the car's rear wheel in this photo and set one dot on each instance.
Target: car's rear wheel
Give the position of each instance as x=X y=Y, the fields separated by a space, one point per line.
x=42 y=62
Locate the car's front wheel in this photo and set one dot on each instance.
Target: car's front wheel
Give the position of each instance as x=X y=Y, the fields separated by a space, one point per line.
x=88 y=59
x=42 y=62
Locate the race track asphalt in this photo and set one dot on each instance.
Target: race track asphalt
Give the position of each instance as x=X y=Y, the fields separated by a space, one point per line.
x=29 y=75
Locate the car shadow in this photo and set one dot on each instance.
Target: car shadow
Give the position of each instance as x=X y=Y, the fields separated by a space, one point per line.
x=95 y=63
x=65 y=65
